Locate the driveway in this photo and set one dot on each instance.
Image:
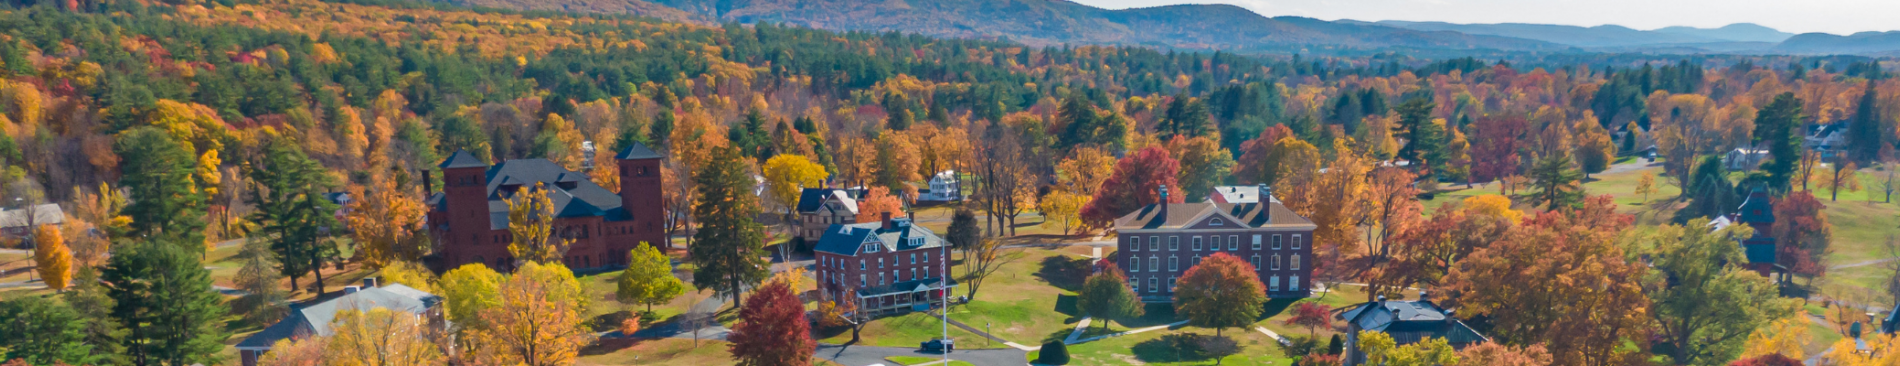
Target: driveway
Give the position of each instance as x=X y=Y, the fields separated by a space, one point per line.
x=868 y=355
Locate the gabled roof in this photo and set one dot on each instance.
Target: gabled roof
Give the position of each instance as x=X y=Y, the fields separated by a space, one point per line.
x=846 y=239
x=1892 y=324
x=811 y=199
x=316 y=318
x=1392 y=316
x=1180 y=215
x=41 y=214
x=584 y=198
x=462 y=159
x=637 y=151
x=1757 y=208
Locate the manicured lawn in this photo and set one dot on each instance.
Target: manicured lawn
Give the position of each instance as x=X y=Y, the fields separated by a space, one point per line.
x=908 y=330
x=664 y=351
x=1029 y=300
x=1154 y=348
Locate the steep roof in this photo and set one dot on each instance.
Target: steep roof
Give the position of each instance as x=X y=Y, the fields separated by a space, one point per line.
x=316 y=318
x=45 y=213
x=637 y=151
x=462 y=159
x=1411 y=316
x=571 y=193
x=1757 y=208
x=1178 y=215
x=845 y=239
x=810 y=199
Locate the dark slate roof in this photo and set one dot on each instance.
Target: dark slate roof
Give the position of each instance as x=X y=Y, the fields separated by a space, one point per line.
x=316 y=318
x=637 y=151
x=1412 y=316
x=1179 y=215
x=462 y=159
x=1759 y=253
x=845 y=239
x=1890 y=325
x=906 y=286
x=810 y=199
x=584 y=199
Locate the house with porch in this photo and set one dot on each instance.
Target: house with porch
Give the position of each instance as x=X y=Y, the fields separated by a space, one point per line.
x=1160 y=242
x=1407 y=322
x=884 y=267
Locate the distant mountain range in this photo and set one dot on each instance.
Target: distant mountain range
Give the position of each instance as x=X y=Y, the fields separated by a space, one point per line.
x=1213 y=26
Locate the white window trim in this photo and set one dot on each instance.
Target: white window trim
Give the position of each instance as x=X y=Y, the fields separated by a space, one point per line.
x=1256 y=241
x=1233 y=242
x=1154 y=242
x=1296 y=241
x=1174 y=263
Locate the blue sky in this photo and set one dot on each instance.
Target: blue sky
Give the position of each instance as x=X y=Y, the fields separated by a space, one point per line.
x=1793 y=16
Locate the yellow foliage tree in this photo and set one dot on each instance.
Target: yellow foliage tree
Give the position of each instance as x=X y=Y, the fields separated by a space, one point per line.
x=1882 y=350
x=569 y=139
x=467 y=291
x=54 y=260
x=1785 y=337
x=410 y=274
x=1843 y=177
x=386 y=224
x=1492 y=205
x=23 y=104
x=531 y=223
x=606 y=171
x=381 y=337
x=787 y=175
x=1646 y=185
x=308 y=351
x=1083 y=172
x=532 y=325
x=1063 y=208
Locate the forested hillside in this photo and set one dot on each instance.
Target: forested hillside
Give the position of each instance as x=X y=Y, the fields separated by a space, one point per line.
x=169 y=127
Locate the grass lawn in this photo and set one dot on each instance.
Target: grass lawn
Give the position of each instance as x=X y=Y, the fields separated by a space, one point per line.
x=1155 y=348
x=1031 y=298
x=908 y=330
x=664 y=351
x=915 y=360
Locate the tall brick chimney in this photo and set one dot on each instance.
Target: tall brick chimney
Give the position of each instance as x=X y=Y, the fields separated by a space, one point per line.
x=886 y=219
x=1163 y=191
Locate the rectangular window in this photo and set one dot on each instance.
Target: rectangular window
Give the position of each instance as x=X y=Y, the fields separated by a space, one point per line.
x=1296 y=241
x=860 y=264
x=1197 y=243
x=1151 y=284
x=1154 y=263
x=1135 y=284
x=1174 y=243
x=1154 y=243
x=1256 y=241
x=1134 y=265
x=1296 y=262
x=1233 y=242
x=1196 y=262
x=880 y=263
x=1293 y=283
x=1274 y=284
x=1276 y=241
x=1173 y=263
x=861 y=282
x=1134 y=243
x=913 y=258
x=1276 y=262
x=926 y=257
x=1171 y=283
x=1255 y=261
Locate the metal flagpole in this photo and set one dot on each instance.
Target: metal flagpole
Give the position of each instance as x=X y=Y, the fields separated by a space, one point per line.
x=943 y=291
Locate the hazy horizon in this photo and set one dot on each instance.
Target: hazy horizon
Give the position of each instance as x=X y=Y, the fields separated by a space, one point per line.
x=1841 y=17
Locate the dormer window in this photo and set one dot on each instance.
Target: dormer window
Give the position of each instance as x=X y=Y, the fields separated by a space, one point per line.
x=870 y=248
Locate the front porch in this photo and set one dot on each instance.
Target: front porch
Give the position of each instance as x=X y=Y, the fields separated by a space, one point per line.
x=901 y=297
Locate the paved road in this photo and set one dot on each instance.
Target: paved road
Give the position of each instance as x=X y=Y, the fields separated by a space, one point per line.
x=868 y=355
x=1862 y=263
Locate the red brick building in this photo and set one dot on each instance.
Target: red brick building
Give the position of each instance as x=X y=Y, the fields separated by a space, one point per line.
x=886 y=266
x=469 y=218
x=1160 y=242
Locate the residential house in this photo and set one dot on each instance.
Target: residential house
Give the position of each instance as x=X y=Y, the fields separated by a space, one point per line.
x=885 y=267
x=19 y=223
x=469 y=218
x=1744 y=158
x=1407 y=322
x=1827 y=139
x=819 y=208
x=314 y=318
x=944 y=187
x=1160 y=242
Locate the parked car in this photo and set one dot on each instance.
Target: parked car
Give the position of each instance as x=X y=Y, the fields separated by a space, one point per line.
x=940 y=345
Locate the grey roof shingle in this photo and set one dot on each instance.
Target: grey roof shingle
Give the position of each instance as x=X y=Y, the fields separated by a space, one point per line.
x=45 y=213
x=1179 y=215
x=637 y=151
x=838 y=240
x=462 y=159
x=316 y=318
x=572 y=194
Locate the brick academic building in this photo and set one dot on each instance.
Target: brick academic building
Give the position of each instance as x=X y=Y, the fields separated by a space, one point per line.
x=469 y=218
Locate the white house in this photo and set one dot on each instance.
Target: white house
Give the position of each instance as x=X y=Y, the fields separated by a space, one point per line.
x=944 y=187
x=1744 y=159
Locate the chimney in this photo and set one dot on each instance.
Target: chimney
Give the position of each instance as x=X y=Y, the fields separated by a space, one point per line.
x=886 y=219
x=1266 y=193
x=1163 y=203
x=428 y=188
x=351 y=290
x=1381 y=298
x=1424 y=296
x=369 y=282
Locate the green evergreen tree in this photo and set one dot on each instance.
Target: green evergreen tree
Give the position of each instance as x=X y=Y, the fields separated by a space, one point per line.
x=91 y=300
x=1423 y=139
x=726 y=248
x=1864 y=139
x=157 y=172
x=661 y=130
x=162 y=295
x=287 y=189
x=42 y=332
x=1557 y=182
x=1778 y=126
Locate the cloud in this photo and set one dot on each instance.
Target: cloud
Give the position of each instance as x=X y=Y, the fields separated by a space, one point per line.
x=1795 y=16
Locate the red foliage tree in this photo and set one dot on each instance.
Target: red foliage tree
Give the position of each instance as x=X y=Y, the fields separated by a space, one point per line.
x=1133 y=186
x=772 y=329
x=1494 y=151
x=1311 y=315
x=1254 y=153
x=1802 y=233
x=1775 y=359
x=1221 y=292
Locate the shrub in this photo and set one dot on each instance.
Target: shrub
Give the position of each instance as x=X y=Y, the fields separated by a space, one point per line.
x=1054 y=353
x=1336 y=347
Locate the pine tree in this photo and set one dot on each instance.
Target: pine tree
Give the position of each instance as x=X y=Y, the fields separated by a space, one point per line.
x=91 y=300
x=1864 y=139
x=157 y=171
x=1422 y=137
x=43 y=332
x=726 y=247
x=163 y=297
x=287 y=188
x=1557 y=182
x=1777 y=125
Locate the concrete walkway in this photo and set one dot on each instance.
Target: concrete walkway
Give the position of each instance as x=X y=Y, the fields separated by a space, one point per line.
x=1276 y=336
x=1133 y=331
x=1080 y=327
